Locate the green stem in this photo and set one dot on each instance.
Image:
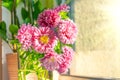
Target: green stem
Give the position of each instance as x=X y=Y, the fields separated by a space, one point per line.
x=23 y=70
x=14 y=10
x=22 y=76
x=11 y=17
x=24 y=1
x=50 y=75
x=45 y=74
x=30 y=11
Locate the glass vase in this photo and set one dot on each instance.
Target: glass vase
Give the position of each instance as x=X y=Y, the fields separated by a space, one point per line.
x=23 y=75
x=30 y=67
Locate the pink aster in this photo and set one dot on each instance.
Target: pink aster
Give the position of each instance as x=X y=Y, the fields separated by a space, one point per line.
x=44 y=40
x=62 y=7
x=25 y=35
x=48 y=18
x=65 y=60
x=50 y=61
x=67 y=54
x=67 y=31
x=63 y=68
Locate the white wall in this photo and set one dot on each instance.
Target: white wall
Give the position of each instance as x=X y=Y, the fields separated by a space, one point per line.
x=98 y=41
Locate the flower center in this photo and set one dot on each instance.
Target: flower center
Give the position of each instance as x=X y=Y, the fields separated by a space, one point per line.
x=44 y=39
x=52 y=59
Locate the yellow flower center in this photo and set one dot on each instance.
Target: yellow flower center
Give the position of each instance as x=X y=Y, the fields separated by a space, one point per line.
x=51 y=59
x=44 y=39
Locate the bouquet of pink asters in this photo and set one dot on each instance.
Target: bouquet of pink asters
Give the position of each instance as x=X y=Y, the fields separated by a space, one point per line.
x=52 y=38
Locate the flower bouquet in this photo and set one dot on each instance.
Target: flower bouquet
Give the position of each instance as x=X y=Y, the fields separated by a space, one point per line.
x=47 y=46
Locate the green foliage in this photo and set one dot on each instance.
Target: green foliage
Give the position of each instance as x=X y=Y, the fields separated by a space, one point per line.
x=24 y=13
x=49 y=3
x=13 y=28
x=8 y=4
x=38 y=7
x=58 y=47
x=64 y=15
x=63 y=1
x=3 y=26
x=3 y=35
x=18 y=2
x=3 y=31
x=27 y=20
x=14 y=42
x=29 y=62
x=67 y=1
x=59 y=2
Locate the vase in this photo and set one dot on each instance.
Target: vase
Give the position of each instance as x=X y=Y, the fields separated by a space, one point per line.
x=30 y=67
x=12 y=66
x=34 y=76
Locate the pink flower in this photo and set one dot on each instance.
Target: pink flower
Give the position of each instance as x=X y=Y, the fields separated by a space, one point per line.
x=63 y=68
x=50 y=61
x=67 y=31
x=25 y=35
x=48 y=18
x=62 y=7
x=44 y=40
x=67 y=54
x=65 y=60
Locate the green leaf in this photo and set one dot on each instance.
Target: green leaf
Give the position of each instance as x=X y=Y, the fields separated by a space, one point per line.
x=14 y=41
x=3 y=30
x=58 y=47
x=49 y=3
x=27 y=20
x=24 y=13
x=8 y=5
x=67 y=1
x=40 y=55
x=59 y=2
x=18 y=2
x=3 y=35
x=3 y=26
x=70 y=45
x=13 y=28
x=5 y=0
x=38 y=8
x=17 y=21
x=64 y=15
